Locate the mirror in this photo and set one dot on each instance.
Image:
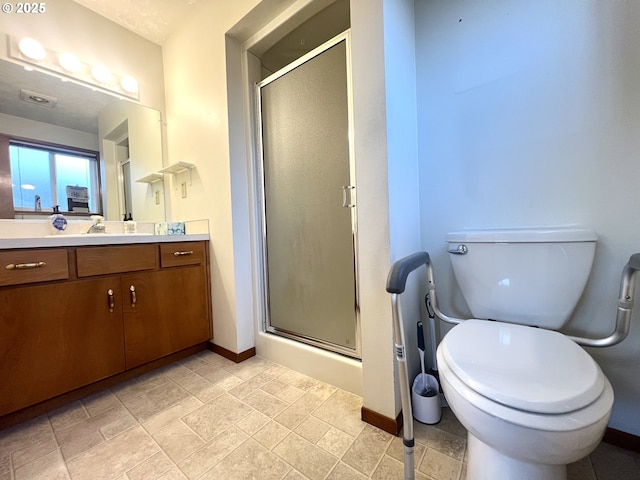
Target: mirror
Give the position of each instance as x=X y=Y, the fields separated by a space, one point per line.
x=127 y=135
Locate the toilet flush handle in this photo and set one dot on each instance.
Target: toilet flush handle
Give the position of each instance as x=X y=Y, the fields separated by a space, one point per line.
x=459 y=250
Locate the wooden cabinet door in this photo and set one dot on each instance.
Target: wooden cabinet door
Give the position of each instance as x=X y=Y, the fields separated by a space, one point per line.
x=57 y=337
x=166 y=311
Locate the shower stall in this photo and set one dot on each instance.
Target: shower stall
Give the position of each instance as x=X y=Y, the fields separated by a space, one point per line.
x=308 y=202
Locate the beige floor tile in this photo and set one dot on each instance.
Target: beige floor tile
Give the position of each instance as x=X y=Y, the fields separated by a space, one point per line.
x=172 y=413
x=100 y=402
x=178 y=441
x=342 y=471
x=391 y=468
x=336 y=442
x=213 y=452
x=251 y=368
x=342 y=410
x=28 y=441
x=367 y=449
x=155 y=400
x=449 y=423
x=322 y=390
x=252 y=422
x=294 y=475
x=215 y=417
x=290 y=394
x=312 y=429
x=114 y=457
x=311 y=461
x=298 y=410
x=439 y=466
x=151 y=468
x=203 y=389
x=582 y=470
x=88 y=433
x=249 y=386
x=611 y=463
x=265 y=403
x=220 y=377
x=47 y=467
x=173 y=474
x=271 y=434
x=274 y=387
x=250 y=460
x=396 y=450
x=298 y=380
x=67 y=415
x=5 y=465
x=444 y=442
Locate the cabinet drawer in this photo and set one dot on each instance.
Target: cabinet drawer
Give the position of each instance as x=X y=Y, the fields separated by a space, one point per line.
x=182 y=253
x=120 y=259
x=30 y=266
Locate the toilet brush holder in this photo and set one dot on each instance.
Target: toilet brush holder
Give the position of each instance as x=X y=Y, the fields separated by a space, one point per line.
x=425 y=397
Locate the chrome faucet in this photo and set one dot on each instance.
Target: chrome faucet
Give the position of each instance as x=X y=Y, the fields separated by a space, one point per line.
x=97 y=226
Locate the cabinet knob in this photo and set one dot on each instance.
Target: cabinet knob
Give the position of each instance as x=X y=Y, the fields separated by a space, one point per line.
x=132 y=289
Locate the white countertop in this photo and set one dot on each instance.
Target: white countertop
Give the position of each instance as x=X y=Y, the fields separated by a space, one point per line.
x=95 y=239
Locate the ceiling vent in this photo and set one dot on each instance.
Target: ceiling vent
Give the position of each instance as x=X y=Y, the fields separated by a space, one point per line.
x=38 y=98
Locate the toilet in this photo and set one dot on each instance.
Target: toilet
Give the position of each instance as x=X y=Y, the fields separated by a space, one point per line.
x=531 y=399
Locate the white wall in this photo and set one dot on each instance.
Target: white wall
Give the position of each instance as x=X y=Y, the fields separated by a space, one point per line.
x=198 y=133
x=529 y=114
x=22 y=127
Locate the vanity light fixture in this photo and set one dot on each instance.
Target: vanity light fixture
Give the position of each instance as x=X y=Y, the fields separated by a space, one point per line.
x=66 y=66
x=32 y=49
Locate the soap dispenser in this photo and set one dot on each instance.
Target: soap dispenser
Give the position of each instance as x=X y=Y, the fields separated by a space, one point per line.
x=58 y=221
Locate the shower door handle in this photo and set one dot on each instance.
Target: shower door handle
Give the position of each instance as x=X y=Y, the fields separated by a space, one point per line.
x=349 y=203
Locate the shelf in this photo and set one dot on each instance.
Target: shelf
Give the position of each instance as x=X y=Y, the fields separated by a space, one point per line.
x=178 y=167
x=154 y=177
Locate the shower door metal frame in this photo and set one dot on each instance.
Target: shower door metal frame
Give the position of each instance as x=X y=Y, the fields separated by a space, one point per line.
x=352 y=202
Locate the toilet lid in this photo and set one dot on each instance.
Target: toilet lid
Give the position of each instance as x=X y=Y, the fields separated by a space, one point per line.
x=531 y=369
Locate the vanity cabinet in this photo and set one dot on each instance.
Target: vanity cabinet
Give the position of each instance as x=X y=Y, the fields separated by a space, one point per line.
x=72 y=316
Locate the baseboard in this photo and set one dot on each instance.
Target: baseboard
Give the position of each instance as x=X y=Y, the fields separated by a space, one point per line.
x=622 y=439
x=612 y=436
x=229 y=355
x=389 y=425
x=38 y=409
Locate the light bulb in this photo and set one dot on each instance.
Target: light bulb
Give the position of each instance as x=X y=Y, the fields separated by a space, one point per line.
x=101 y=73
x=129 y=84
x=31 y=48
x=69 y=62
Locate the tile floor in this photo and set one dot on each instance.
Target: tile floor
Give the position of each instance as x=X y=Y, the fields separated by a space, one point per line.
x=208 y=418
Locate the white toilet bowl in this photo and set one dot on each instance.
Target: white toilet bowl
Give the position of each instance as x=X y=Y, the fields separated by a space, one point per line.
x=531 y=399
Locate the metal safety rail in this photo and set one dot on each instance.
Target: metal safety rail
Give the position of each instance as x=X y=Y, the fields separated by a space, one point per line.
x=396 y=284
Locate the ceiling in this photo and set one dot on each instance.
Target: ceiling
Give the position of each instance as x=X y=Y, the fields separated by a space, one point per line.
x=151 y=19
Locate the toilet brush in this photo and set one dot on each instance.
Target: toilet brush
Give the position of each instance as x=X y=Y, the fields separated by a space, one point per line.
x=423 y=388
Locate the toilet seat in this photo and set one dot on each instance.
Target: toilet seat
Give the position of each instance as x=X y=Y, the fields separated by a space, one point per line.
x=527 y=369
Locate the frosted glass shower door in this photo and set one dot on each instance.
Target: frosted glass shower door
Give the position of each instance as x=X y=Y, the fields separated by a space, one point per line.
x=308 y=202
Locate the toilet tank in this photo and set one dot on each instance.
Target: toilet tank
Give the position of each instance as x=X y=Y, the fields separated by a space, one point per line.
x=525 y=276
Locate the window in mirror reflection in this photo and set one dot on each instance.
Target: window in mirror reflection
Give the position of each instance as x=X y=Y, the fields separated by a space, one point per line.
x=45 y=176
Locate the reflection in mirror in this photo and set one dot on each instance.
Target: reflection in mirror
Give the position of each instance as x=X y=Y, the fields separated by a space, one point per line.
x=73 y=115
